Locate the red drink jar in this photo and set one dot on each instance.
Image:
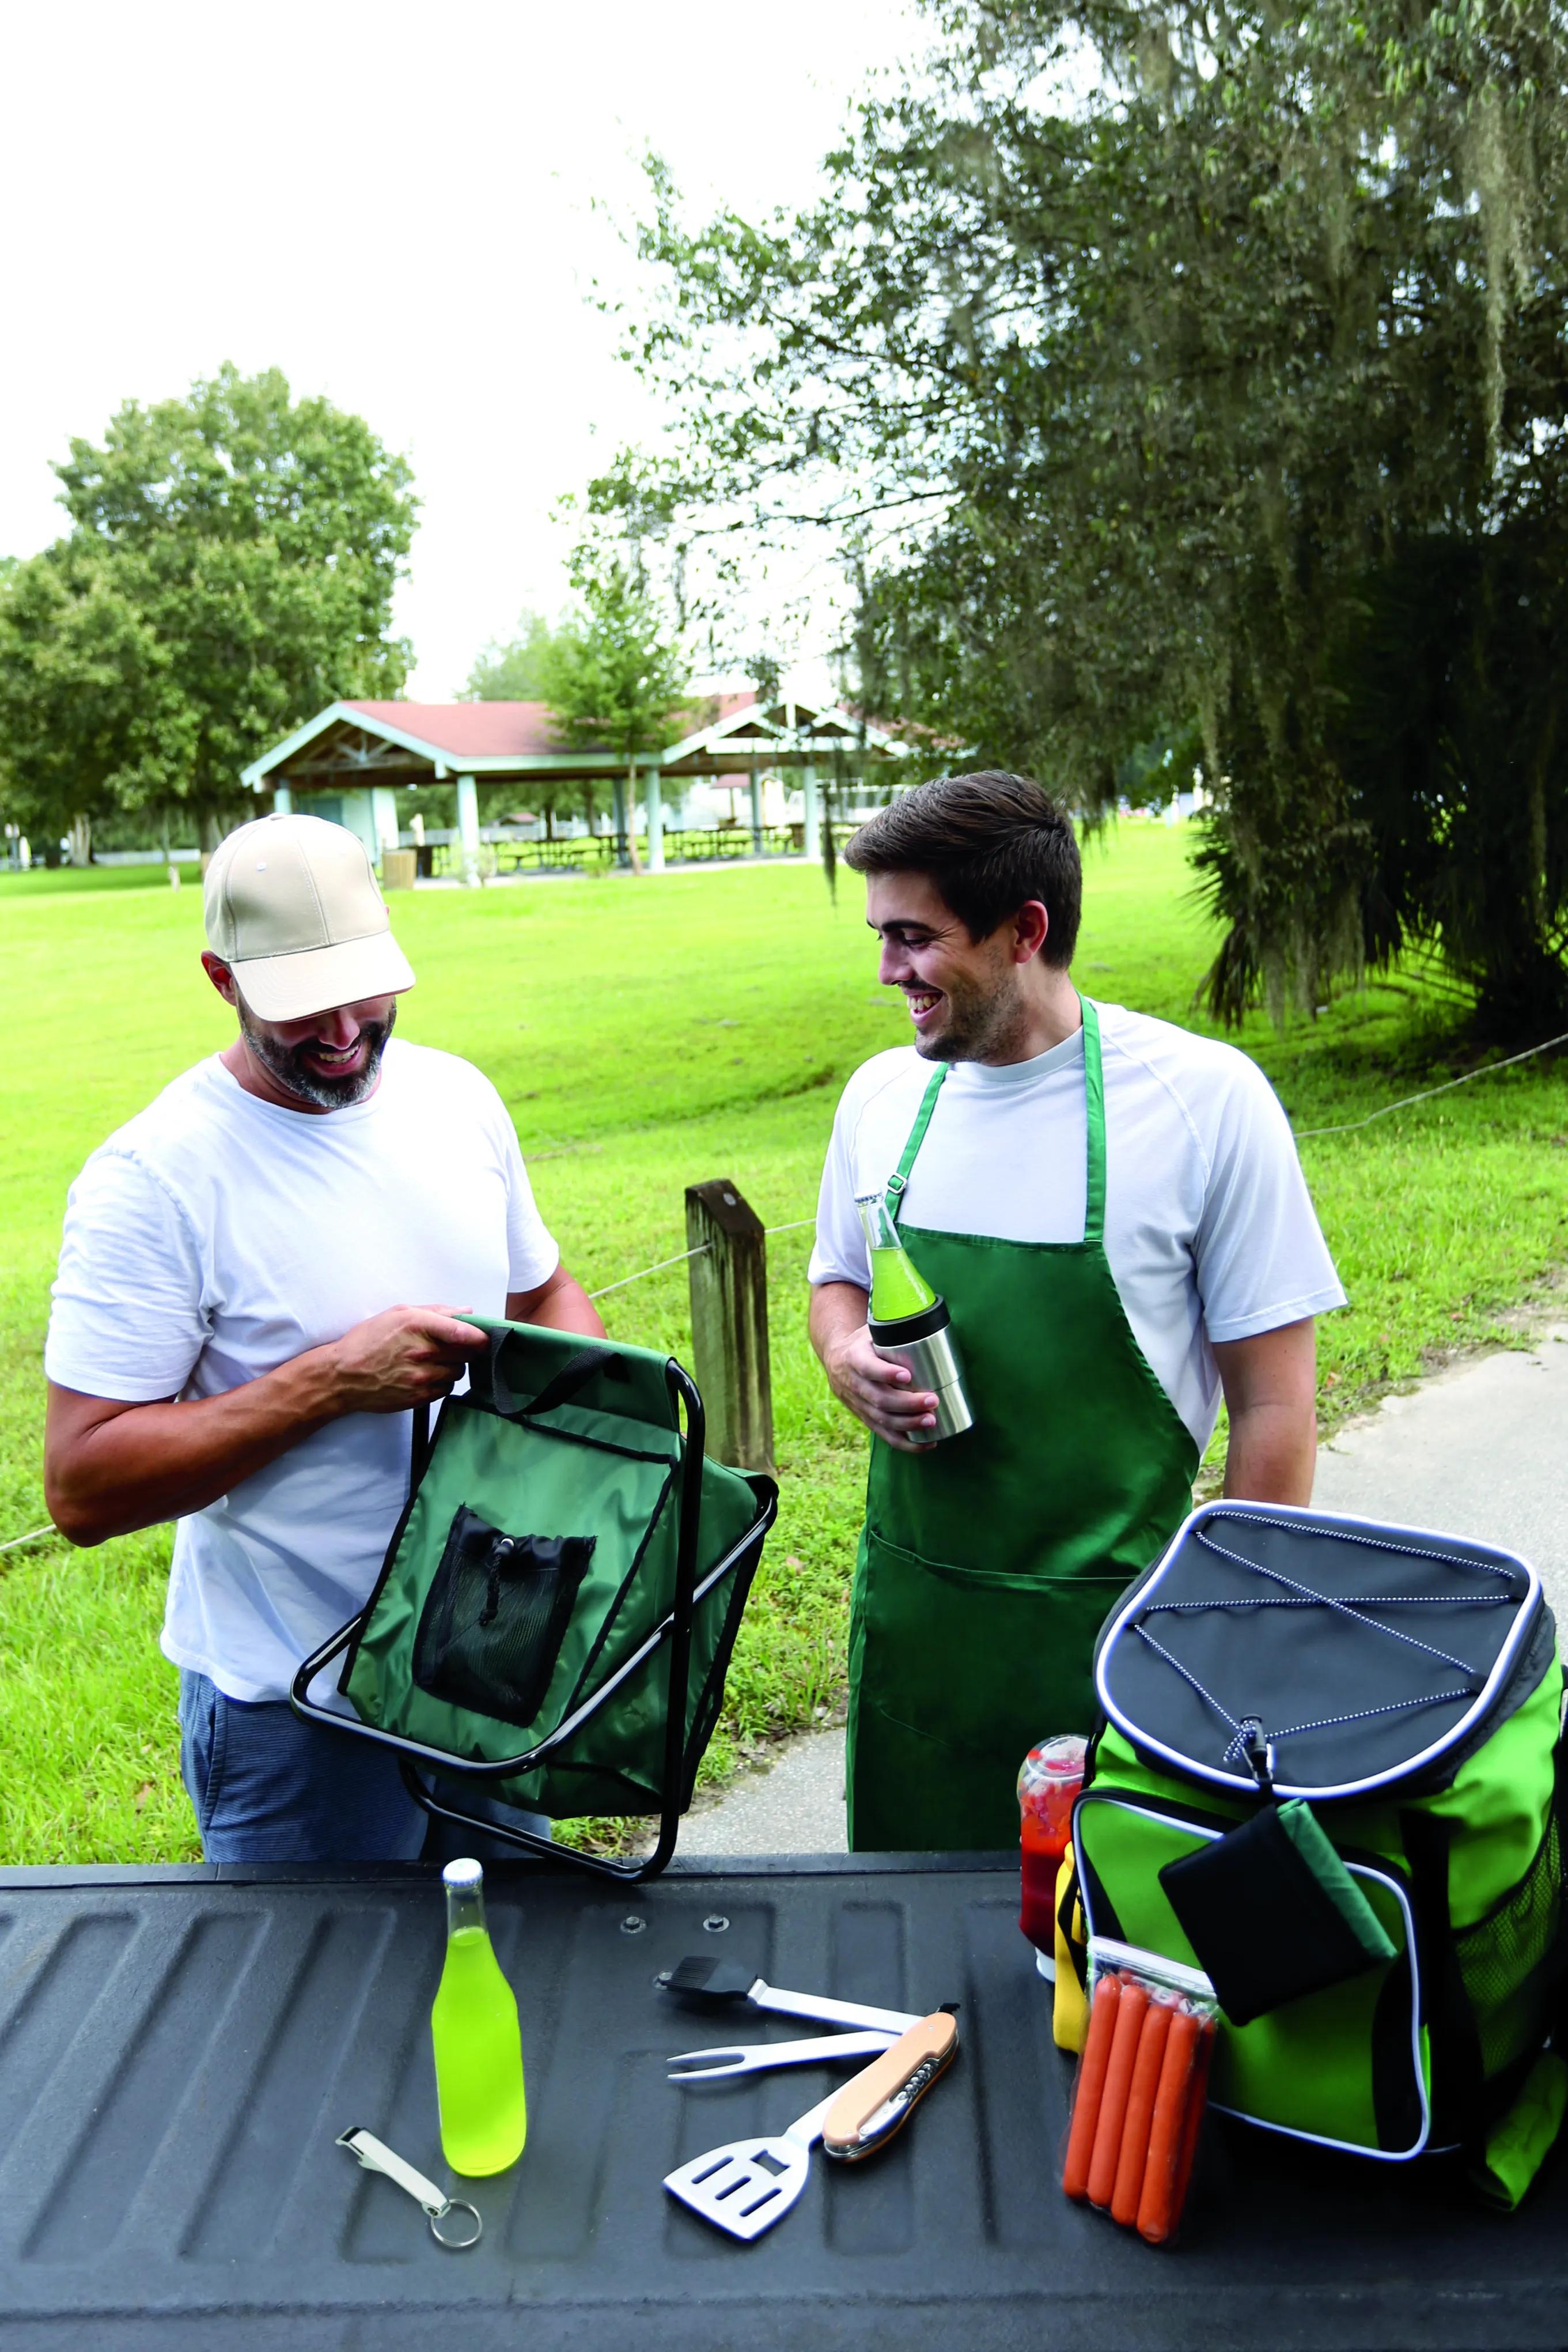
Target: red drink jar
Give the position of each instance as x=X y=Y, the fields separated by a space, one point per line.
x=1049 y=1783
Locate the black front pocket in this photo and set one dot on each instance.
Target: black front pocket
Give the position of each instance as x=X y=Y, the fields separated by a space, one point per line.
x=495 y=1616
x=1273 y=1915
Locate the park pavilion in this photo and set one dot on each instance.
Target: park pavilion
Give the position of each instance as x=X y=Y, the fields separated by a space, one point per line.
x=349 y=761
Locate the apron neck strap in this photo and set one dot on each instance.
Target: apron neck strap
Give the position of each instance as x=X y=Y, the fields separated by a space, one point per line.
x=1094 y=1110
x=897 y=1183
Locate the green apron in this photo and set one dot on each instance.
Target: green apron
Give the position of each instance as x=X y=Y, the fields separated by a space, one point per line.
x=989 y=1562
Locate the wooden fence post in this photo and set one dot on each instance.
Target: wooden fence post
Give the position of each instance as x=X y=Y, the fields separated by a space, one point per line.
x=730 y=1323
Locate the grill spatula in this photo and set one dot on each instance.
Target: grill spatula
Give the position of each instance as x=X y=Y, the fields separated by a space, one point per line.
x=749 y=2184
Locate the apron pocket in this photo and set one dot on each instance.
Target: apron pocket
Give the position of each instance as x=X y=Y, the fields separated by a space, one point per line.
x=984 y=1663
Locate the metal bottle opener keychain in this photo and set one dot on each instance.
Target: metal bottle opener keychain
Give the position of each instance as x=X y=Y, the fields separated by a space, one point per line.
x=376 y=2156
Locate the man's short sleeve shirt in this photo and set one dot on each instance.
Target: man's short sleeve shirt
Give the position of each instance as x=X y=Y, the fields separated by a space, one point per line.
x=1209 y=1229
x=216 y=1236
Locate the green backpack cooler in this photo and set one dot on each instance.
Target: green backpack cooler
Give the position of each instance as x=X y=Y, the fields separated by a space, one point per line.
x=554 y=1618
x=1328 y=1774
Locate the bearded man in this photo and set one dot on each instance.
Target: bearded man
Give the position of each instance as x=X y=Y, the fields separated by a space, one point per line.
x=1113 y=1210
x=226 y=1348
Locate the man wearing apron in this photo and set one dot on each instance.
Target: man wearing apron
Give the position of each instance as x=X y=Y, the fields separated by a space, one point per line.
x=1114 y=1211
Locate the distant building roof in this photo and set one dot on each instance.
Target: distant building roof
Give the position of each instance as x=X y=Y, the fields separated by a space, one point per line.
x=472 y=730
x=423 y=742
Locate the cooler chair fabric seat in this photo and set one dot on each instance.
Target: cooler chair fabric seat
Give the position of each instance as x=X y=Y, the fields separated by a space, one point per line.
x=555 y=1615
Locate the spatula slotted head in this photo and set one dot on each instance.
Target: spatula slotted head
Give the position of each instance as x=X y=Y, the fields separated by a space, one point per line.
x=744 y=2188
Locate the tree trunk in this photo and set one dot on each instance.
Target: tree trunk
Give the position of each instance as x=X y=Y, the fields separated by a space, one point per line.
x=81 y=840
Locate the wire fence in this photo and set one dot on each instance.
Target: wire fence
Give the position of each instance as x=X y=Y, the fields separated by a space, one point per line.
x=794 y=1225
x=37 y=1535
x=1303 y=1135
x=701 y=1250
x=1350 y=1125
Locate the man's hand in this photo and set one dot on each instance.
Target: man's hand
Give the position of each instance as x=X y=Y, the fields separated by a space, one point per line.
x=880 y=1393
x=110 y=1467
x=405 y=1356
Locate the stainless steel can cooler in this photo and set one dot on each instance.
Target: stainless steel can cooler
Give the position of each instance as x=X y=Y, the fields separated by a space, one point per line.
x=932 y=1357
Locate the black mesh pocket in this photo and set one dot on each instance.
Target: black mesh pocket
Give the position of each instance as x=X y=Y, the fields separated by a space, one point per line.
x=1511 y=1960
x=495 y=1616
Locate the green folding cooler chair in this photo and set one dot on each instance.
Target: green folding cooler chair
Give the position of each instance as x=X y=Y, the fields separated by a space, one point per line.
x=555 y=1616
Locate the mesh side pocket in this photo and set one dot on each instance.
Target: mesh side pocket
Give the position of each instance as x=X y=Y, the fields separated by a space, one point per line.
x=1510 y=1960
x=495 y=1616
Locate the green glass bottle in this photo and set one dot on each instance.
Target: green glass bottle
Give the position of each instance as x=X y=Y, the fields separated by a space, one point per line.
x=477 y=2043
x=897 y=1286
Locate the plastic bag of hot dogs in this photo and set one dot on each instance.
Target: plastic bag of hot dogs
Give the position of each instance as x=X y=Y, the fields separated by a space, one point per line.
x=1141 y=2088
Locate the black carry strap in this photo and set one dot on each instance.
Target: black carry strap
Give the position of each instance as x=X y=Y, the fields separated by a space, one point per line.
x=571 y=1378
x=418 y=1447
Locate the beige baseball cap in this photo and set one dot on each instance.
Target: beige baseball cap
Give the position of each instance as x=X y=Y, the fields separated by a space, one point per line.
x=292 y=907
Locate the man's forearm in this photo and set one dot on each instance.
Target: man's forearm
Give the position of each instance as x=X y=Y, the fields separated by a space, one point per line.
x=1271 y=1455
x=838 y=1311
x=561 y=1304
x=157 y=1462
x=1270 y=1393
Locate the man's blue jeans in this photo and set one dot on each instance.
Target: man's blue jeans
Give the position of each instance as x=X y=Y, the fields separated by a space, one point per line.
x=267 y=1787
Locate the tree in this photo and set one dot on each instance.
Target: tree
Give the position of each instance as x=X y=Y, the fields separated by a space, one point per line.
x=90 y=721
x=613 y=675
x=512 y=672
x=246 y=547
x=1131 y=351
x=519 y=671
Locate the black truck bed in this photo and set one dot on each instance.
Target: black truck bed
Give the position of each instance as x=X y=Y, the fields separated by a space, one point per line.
x=180 y=2049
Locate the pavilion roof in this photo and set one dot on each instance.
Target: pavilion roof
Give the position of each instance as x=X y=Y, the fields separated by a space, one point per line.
x=425 y=742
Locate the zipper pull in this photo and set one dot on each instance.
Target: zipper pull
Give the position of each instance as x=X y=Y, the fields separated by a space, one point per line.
x=1259 y=1752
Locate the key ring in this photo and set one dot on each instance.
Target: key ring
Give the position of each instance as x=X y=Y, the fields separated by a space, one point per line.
x=376 y=2156
x=455 y=2205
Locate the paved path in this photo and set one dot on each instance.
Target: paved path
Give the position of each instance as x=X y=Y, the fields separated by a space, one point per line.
x=1481 y=1450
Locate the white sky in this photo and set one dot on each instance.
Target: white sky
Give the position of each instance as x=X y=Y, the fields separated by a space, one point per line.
x=403 y=208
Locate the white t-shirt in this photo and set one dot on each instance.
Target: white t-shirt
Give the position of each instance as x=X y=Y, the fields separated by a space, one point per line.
x=1210 y=1230
x=216 y=1236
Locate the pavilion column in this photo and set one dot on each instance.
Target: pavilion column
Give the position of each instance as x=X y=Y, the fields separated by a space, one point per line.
x=383 y=815
x=469 y=831
x=756 y=813
x=813 y=843
x=654 y=803
x=282 y=800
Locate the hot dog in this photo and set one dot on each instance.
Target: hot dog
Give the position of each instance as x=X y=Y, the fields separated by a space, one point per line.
x=1090 y=2086
x=1146 y=2071
x=1130 y=2013
x=1167 y=2130
x=1192 y=2125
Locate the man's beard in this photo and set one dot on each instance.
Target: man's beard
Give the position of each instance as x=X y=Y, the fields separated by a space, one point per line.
x=980 y=1025
x=287 y=1063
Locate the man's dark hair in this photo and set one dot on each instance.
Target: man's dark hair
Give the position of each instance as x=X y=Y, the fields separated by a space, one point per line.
x=989 y=843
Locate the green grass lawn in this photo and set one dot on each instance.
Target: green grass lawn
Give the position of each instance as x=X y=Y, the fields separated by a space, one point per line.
x=646 y=1035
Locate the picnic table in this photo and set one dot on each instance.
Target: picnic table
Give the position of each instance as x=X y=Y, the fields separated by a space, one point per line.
x=180 y=2047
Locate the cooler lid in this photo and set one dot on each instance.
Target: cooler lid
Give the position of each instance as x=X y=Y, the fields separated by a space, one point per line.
x=1340 y=1653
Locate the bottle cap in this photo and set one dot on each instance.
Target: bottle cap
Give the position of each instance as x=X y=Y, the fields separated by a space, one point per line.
x=465 y=1873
